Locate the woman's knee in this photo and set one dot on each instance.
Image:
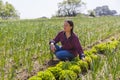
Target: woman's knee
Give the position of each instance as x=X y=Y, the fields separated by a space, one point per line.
x=58 y=54
x=64 y=55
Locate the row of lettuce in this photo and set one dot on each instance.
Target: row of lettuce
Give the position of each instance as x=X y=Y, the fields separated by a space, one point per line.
x=71 y=70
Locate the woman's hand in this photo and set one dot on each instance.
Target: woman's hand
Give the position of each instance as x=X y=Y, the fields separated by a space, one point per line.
x=52 y=47
x=82 y=56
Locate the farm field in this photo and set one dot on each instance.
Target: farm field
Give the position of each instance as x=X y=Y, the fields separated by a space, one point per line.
x=24 y=46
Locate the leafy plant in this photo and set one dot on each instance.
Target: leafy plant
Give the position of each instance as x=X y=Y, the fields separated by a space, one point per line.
x=94 y=57
x=46 y=75
x=55 y=70
x=67 y=75
x=76 y=69
x=93 y=50
x=64 y=65
x=101 y=48
x=88 y=52
x=83 y=65
x=88 y=59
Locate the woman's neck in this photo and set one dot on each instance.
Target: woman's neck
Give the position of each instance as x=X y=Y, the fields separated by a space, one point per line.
x=68 y=34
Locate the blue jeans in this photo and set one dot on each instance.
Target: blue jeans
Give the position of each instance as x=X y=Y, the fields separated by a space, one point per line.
x=63 y=54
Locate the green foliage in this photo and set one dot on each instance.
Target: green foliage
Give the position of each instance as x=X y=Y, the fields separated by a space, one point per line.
x=64 y=65
x=35 y=78
x=67 y=75
x=94 y=57
x=75 y=59
x=70 y=70
x=46 y=75
x=7 y=11
x=88 y=52
x=113 y=44
x=91 y=13
x=83 y=65
x=76 y=69
x=25 y=42
x=88 y=59
x=69 y=8
x=60 y=64
x=104 y=47
x=93 y=50
x=101 y=48
x=55 y=70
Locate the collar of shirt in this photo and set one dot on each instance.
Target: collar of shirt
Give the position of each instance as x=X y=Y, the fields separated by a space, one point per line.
x=72 y=34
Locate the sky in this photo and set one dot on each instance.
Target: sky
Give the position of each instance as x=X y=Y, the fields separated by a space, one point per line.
x=30 y=9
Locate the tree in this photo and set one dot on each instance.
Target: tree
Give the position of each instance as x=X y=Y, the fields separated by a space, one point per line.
x=91 y=13
x=7 y=11
x=69 y=7
x=104 y=10
x=1 y=8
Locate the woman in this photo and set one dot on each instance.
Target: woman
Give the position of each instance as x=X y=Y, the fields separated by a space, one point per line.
x=71 y=46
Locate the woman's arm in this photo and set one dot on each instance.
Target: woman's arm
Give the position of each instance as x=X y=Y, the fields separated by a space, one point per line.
x=56 y=39
x=78 y=47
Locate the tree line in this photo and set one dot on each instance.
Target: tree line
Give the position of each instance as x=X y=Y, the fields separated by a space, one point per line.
x=66 y=8
x=7 y=11
x=73 y=7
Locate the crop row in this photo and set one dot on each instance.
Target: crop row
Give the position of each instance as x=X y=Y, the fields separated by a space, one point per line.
x=72 y=70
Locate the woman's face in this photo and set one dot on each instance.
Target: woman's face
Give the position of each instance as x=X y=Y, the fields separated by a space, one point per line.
x=67 y=27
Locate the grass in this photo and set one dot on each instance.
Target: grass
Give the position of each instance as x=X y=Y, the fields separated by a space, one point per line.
x=24 y=42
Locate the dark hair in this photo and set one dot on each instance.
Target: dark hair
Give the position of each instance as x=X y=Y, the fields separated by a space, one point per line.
x=71 y=24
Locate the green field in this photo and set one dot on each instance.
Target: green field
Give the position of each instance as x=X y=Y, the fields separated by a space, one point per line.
x=24 y=44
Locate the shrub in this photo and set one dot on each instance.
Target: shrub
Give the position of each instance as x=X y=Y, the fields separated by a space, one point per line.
x=104 y=47
x=76 y=69
x=56 y=71
x=88 y=59
x=83 y=65
x=76 y=59
x=93 y=50
x=46 y=75
x=64 y=65
x=101 y=48
x=87 y=53
x=114 y=43
x=67 y=75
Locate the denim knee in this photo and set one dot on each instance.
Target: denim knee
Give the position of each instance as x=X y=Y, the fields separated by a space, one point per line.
x=64 y=55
